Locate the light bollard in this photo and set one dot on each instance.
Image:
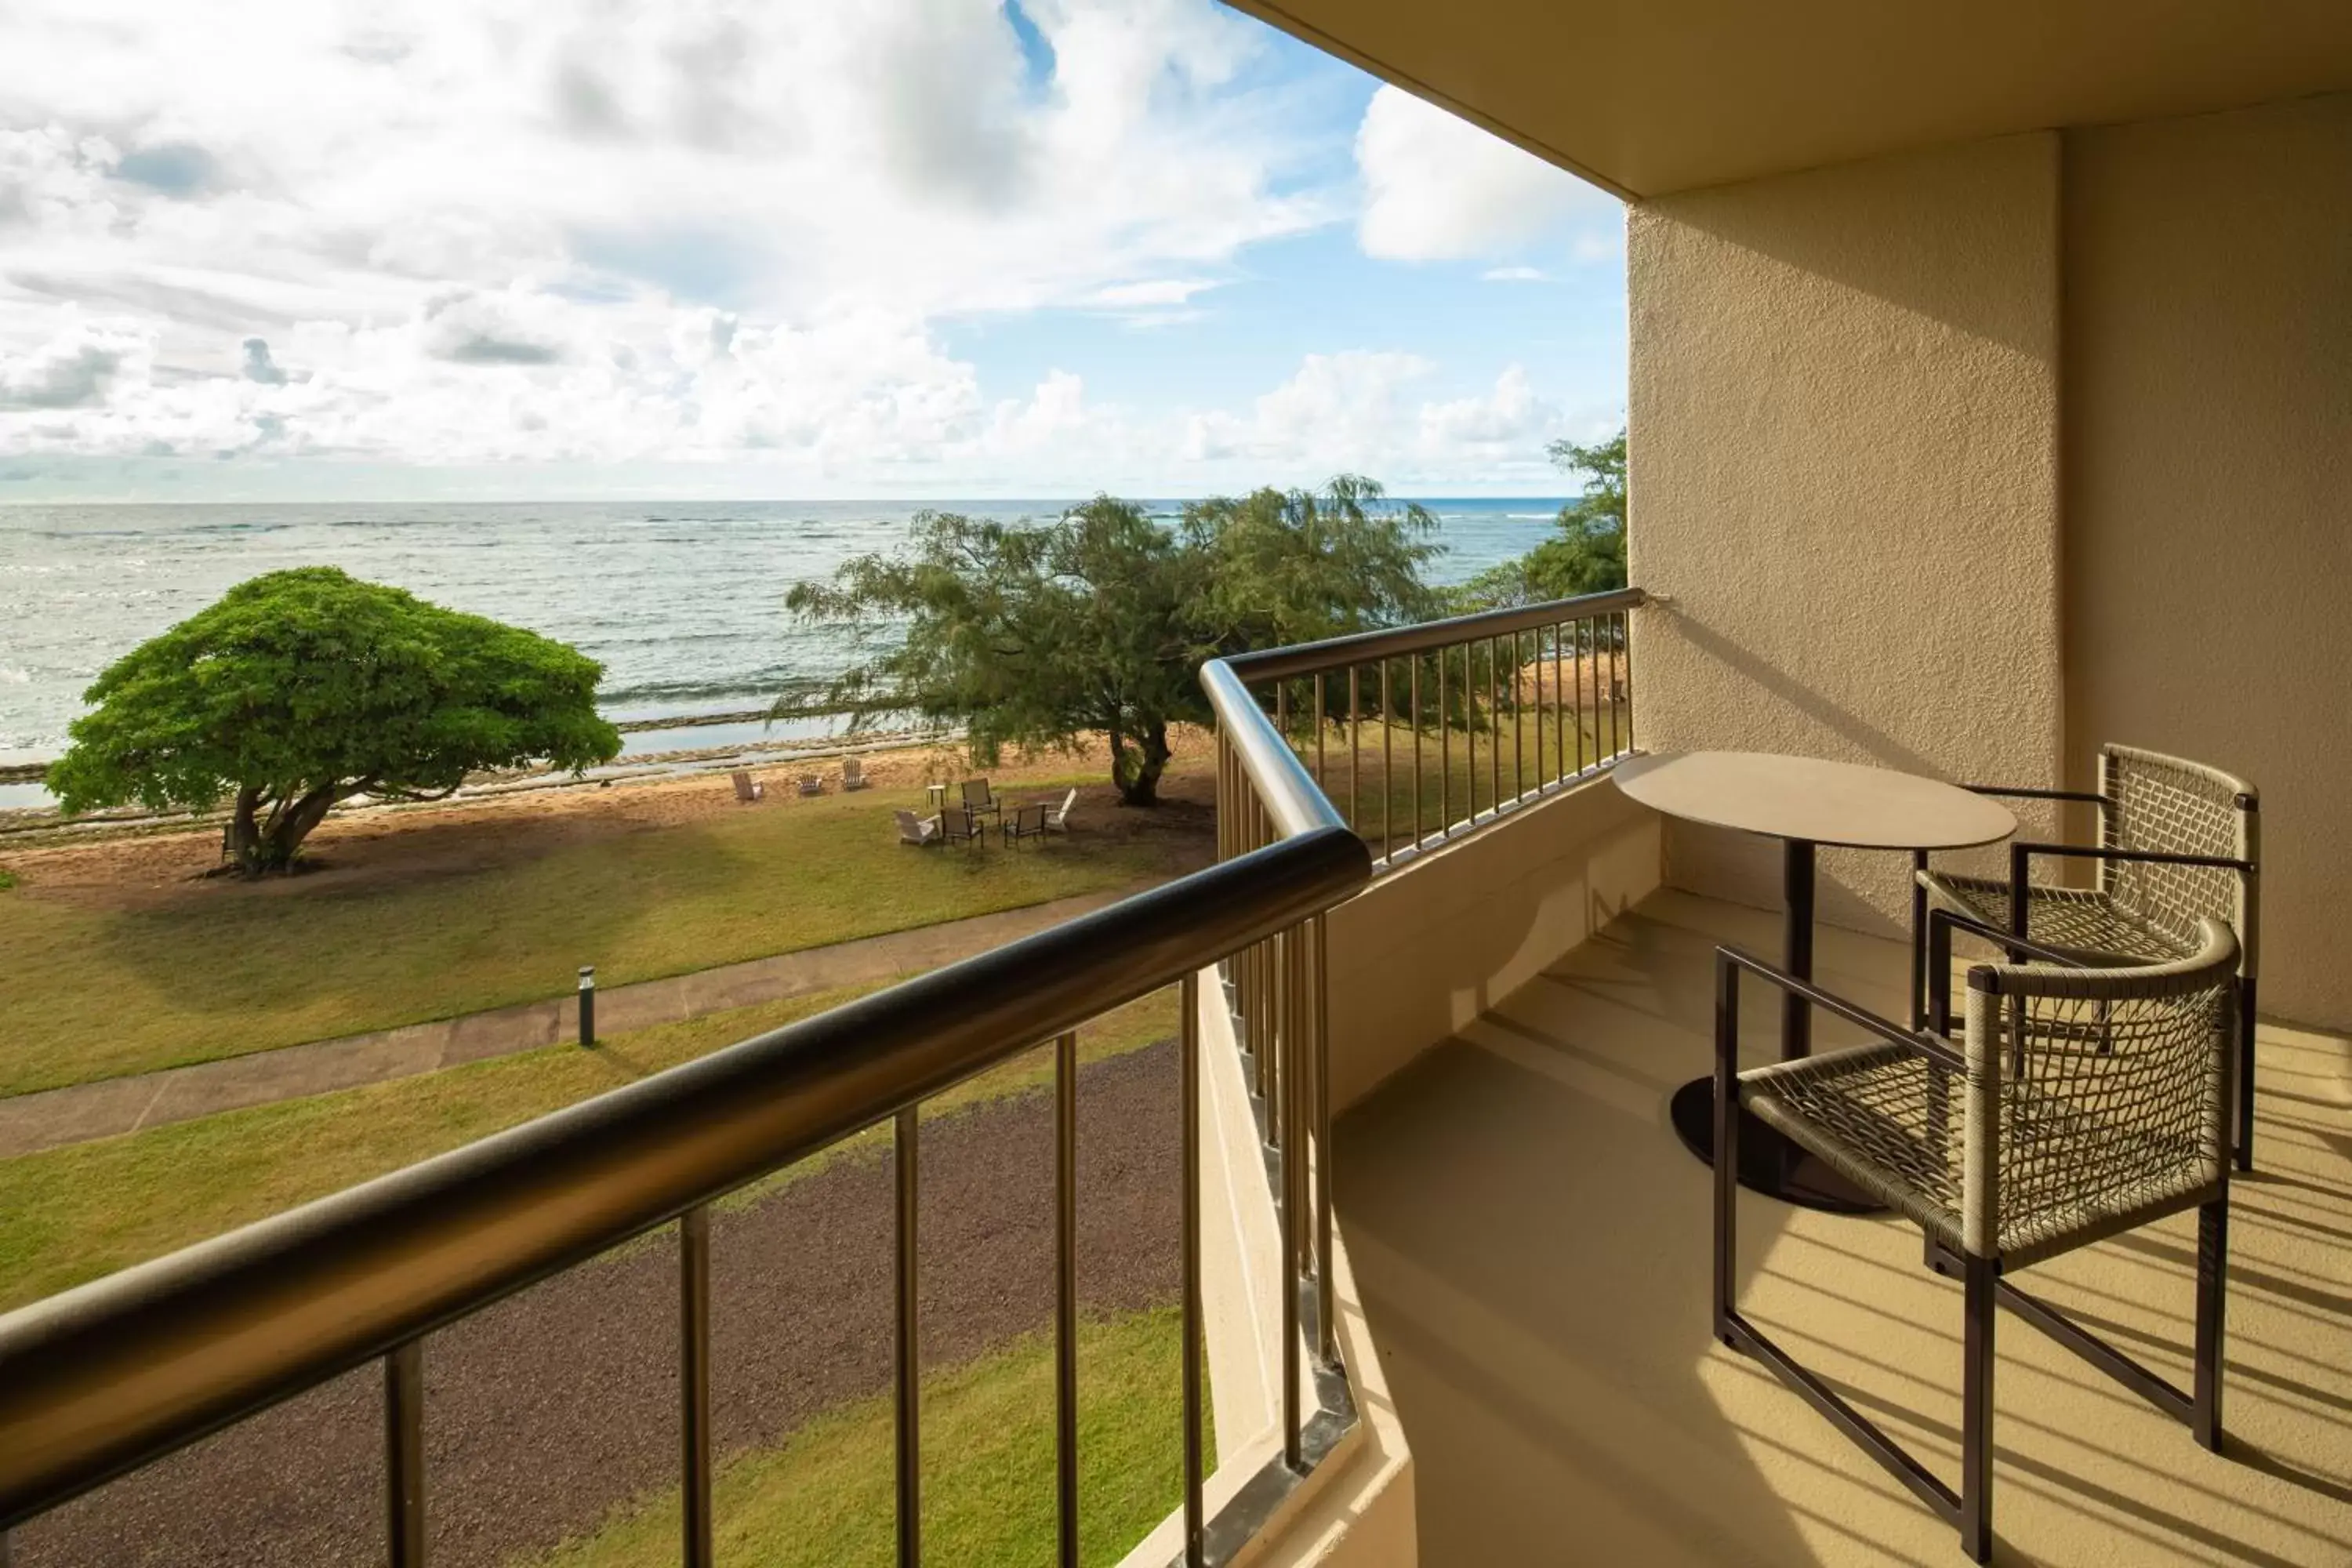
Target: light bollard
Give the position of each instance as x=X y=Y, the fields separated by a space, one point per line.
x=587 y=1005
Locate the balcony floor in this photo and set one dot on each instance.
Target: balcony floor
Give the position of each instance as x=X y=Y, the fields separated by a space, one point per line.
x=1532 y=1248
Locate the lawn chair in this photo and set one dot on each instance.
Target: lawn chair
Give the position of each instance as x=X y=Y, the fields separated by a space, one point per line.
x=920 y=831
x=2178 y=843
x=1026 y=821
x=979 y=800
x=959 y=826
x=2081 y=1103
x=747 y=788
x=811 y=784
x=853 y=775
x=1057 y=818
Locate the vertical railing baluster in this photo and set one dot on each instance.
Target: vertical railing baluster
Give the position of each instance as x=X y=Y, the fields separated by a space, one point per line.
x=1559 y=735
x=1188 y=1054
x=1618 y=716
x=1355 y=746
x=1518 y=721
x=1469 y=735
x=1277 y=1041
x=1388 y=769
x=1494 y=725
x=404 y=1455
x=1293 y=1230
x=1281 y=712
x=1065 y=1293
x=907 y=1343
x=1319 y=777
x=1416 y=752
x=1583 y=685
x=1319 y=994
x=1444 y=756
x=694 y=1385
x=1629 y=681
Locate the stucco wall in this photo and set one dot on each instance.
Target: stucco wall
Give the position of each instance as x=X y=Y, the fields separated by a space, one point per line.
x=1844 y=478
x=2209 y=488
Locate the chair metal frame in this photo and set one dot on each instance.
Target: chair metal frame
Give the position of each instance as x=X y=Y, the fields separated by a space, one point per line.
x=1968 y=1509
x=2109 y=855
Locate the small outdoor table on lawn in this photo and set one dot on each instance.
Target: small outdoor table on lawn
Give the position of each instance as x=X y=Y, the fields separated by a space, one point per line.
x=938 y=794
x=1805 y=802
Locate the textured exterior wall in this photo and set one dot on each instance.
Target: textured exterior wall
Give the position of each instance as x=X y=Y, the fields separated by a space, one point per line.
x=1843 y=474
x=1424 y=952
x=2209 y=490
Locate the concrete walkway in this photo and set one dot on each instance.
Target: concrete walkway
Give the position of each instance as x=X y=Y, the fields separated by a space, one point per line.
x=82 y=1111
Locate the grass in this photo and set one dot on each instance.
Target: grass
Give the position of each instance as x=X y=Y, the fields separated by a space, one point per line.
x=1474 y=768
x=73 y=1214
x=217 y=971
x=824 y=1497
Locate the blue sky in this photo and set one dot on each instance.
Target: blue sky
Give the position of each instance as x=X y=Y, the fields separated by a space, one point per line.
x=303 y=250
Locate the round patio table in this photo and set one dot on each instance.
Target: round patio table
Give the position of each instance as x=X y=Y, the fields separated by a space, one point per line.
x=1805 y=802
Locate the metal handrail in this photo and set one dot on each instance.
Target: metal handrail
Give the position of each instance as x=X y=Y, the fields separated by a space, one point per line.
x=114 y=1375
x=1267 y=791
x=1422 y=637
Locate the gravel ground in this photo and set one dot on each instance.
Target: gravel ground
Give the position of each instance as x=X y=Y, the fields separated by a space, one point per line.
x=549 y=1408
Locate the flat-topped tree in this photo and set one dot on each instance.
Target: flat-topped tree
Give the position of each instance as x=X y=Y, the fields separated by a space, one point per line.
x=1098 y=621
x=299 y=688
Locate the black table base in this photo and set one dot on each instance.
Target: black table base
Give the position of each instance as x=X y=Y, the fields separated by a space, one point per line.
x=1768 y=1164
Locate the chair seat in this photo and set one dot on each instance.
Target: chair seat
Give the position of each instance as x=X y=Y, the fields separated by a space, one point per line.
x=2080 y=921
x=1872 y=1113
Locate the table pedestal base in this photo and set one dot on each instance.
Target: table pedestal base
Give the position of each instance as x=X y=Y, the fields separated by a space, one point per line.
x=1768 y=1164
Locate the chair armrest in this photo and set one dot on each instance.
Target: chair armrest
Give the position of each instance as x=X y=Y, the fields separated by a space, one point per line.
x=2020 y=853
x=1730 y=961
x=2006 y=793
x=1941 y=923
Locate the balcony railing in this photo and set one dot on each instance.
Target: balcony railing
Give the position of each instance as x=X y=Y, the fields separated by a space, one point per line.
x=110 y=1378
x=1419 y=734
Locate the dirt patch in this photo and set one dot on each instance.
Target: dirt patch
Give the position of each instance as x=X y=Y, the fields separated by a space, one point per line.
x=545 y=1411
x=374 y=846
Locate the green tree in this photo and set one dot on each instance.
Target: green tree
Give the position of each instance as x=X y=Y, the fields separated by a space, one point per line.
x=1098 y=622
x=302 y=688
x=1588 y=554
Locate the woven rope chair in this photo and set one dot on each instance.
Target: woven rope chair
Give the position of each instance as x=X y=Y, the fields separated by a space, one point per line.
x=2178 y=843
x=2082 y=1102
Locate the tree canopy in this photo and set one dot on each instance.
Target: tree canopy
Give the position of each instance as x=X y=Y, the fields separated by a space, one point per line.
x=302 y=688
x=1098 y=621
x=1587 y=556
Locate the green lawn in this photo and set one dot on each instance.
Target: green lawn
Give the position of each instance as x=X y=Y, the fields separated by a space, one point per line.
x=217 y=969
x=1466 y=777
x=73 y=1214
x=826 y=1498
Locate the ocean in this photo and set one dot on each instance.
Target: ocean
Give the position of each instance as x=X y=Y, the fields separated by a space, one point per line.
x=682 y=601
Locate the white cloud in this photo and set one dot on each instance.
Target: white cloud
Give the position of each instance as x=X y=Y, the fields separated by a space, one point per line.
x=1156 y=291
x=1438 y=188
x=1515 y=275
x=528 y=231
x=1362 y=412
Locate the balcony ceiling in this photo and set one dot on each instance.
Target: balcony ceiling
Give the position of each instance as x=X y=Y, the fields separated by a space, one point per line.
x=1648 y=97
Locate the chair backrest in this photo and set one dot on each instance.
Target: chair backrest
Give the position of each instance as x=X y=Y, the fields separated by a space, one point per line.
x=2180 y=807
x=811 y=784
x=852 y=770
x=742 y=785
x=1069 y=802
x=2097 y=1095
x=975 y=792
x=911 y=828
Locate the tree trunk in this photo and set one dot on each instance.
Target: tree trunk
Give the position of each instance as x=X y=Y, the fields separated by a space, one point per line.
x=1137 y=772
x=257 y=848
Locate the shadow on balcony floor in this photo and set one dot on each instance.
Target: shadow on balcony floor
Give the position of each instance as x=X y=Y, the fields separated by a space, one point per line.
x=1531 y=1244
